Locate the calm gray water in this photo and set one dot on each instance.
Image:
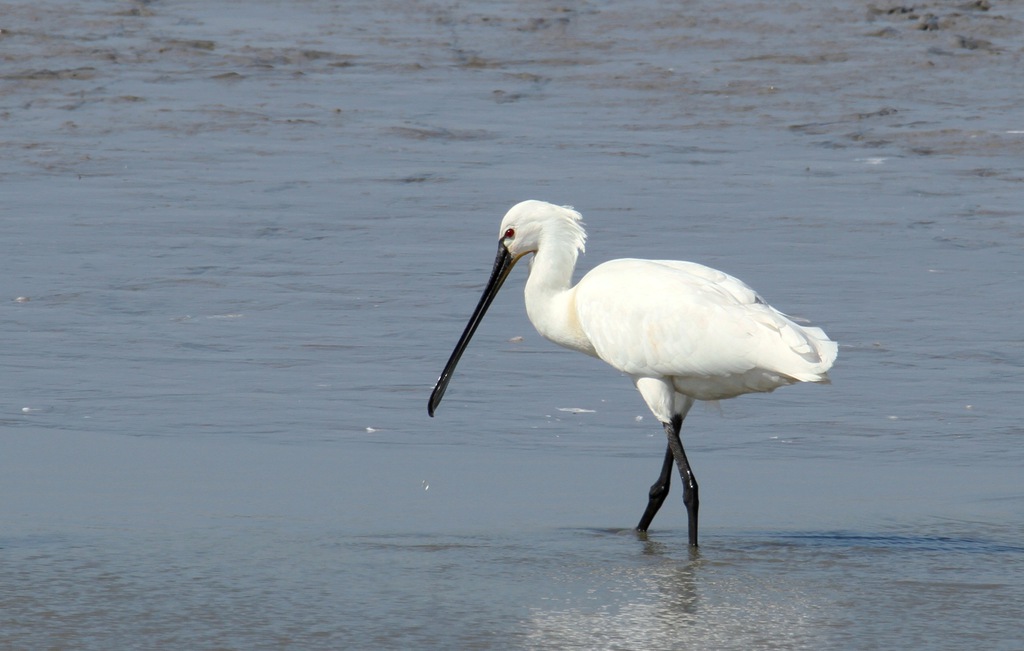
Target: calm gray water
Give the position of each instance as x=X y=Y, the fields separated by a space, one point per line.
x=240 y=239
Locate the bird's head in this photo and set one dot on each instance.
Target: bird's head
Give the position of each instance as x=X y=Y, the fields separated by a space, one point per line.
x=531 y=223
x=526 y=228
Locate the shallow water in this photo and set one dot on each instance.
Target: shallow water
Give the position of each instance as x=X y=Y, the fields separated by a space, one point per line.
x=241 y=239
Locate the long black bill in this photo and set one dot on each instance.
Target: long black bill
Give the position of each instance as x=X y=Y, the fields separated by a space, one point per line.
x=502 y=265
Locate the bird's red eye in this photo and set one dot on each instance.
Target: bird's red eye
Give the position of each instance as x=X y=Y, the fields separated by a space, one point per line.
x=510 y=233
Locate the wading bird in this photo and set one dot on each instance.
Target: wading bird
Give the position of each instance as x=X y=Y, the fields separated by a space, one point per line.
x=680 y=330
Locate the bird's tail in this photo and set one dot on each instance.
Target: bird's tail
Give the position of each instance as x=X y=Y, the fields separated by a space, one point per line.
x=818 y=351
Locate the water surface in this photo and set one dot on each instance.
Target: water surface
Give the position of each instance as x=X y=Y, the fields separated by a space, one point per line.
x=241 y=239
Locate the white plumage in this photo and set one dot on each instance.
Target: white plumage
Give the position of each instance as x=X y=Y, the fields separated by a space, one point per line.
x=680 y=330
x=703 y=329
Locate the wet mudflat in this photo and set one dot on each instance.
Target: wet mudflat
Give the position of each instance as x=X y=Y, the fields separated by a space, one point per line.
x=240 y=240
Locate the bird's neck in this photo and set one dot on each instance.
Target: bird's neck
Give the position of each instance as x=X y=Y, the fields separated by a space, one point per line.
x=551 y=270
x=549 y=298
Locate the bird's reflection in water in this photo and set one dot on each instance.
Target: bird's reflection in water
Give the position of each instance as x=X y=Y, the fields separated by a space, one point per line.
x=679 y=598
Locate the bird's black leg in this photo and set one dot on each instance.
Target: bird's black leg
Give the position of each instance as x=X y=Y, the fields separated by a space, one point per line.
x=690 y=494
x=659 y=491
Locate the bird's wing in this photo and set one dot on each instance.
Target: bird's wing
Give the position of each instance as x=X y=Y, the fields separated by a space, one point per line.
x=722 y=281
x=685 y=320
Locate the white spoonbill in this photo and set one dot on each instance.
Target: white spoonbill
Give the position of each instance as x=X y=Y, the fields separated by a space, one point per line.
x=680 y=330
